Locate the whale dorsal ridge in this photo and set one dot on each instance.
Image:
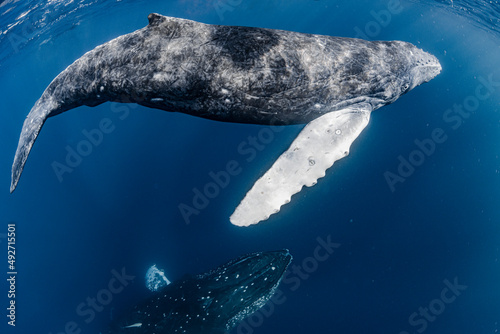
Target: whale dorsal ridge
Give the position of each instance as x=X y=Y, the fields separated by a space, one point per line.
x=155 y=19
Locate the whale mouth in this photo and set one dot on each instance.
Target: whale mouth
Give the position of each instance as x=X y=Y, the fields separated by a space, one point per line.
x=429 y=71
x=432 y=70
x=426 y=69
x=429 y=66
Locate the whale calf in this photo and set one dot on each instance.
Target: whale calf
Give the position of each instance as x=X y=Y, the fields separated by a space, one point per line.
x=210 y=303
x=244 y=75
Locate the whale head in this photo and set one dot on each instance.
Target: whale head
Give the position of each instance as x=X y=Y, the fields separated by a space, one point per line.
x=245 y=284
x=423 y=66
x=407 y=67
x=213 y=302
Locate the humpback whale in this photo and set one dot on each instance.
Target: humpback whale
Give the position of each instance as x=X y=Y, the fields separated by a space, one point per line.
x=210 y=303
x=244 y=75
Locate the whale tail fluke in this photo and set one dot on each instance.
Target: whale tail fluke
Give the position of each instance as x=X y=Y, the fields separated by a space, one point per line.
x=43 y=108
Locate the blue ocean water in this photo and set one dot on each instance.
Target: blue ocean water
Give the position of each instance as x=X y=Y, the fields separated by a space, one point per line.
x=416 y=255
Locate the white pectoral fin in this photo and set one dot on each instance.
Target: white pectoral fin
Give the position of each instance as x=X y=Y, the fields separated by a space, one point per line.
x=322 y=142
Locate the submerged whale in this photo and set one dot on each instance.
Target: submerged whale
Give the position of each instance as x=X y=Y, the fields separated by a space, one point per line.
x=210 y=303
x=245 y=75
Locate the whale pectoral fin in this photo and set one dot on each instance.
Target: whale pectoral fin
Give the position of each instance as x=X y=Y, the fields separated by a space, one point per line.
x=322 y=142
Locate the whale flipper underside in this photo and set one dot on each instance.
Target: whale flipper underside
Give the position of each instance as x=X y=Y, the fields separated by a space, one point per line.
x=322 y=142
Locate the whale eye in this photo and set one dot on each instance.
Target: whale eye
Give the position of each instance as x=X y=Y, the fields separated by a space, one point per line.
x=405 y=87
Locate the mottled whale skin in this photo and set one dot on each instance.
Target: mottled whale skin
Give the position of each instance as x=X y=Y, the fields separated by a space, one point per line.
x=210 y=303
x=245 y=75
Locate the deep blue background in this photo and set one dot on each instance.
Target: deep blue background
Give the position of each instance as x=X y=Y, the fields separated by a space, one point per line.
x=119 y=207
